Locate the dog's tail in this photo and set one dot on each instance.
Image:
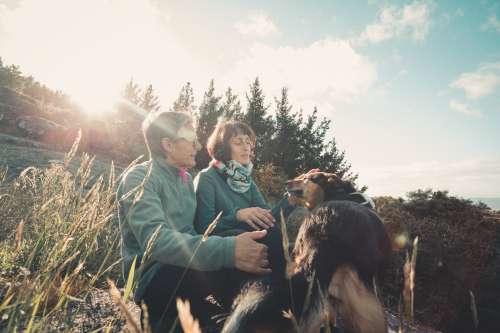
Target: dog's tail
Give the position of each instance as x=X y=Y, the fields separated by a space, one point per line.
x=356 y=305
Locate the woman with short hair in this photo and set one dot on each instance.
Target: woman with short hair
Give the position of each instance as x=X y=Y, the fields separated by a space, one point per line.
x=226 y=186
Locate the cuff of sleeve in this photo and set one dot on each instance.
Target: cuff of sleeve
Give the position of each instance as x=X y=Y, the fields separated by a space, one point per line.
x=229 y=252
x=233 y=213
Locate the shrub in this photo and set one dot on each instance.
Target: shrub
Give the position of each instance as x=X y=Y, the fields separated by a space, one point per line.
x=457 y=254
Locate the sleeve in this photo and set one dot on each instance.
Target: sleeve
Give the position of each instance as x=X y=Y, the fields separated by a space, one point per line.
x=257 y=198
x=147 y=222
x=258 y=201
x=205 y=212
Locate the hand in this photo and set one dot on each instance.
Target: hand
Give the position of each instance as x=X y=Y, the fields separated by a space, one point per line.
x=256 y=217
x=308 y=174
x=250 y=256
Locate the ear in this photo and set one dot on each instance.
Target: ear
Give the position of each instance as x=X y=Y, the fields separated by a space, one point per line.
x=167 y=145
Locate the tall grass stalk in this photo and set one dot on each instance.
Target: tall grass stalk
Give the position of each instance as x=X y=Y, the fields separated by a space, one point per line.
x=57 y=240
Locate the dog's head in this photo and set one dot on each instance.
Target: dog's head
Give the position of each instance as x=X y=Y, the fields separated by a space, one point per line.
x=314 y=188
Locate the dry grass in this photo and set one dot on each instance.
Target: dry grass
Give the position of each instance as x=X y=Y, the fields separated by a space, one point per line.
x=57 y=241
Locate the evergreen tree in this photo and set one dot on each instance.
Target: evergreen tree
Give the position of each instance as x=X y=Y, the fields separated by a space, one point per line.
x=312 y=141
x=257 y=118
x=129 y=113
x=209 y=113
x=185 y=100
x=129 y=120
x=286 y=141
x=231 y=106
x=12 y=78
x=149 y=101
x=334 y=160
x=132 y=92
x=317 y=152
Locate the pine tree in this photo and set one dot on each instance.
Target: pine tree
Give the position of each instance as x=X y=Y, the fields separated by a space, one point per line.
x=286 y=141
x=11 y=77
x=231 y=106
x=132 y=92
x=317 y=152
x=335 y=161
x=128 y=122
x=312 y=145
x=209 y=113
x=149 y=101
x=185 y=100
x=257 y=118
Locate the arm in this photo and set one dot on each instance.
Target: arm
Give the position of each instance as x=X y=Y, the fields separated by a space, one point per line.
x=205 y=211
x=146 y=217
x=257 y=198
x=258 y=201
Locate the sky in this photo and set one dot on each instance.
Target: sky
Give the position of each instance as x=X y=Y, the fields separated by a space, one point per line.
x=412 y=87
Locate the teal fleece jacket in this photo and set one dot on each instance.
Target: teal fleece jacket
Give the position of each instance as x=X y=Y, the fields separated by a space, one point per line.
x=214 y=195
x=167 y=204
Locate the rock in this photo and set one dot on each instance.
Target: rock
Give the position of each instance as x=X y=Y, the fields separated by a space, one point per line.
x=37 y=127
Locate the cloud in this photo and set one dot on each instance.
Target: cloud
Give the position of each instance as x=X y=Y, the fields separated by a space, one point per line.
x=491 y=23
x=90 y=54
x=467 y=178
x=325 y=72
x=259 y=25
x=480 y=83
x=463 y=108
x=396 y=21
x=90 y=49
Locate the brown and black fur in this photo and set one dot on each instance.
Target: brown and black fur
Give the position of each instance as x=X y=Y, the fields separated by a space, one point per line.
x=339 y=250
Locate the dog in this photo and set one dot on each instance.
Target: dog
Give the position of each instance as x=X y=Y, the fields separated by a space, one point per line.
x=339 y=250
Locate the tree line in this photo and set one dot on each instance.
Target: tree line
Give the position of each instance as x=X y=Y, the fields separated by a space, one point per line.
x=12 y=77
x=287 y=138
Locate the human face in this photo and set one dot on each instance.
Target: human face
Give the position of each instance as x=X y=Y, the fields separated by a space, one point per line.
x=241 y=148
x=181 y=152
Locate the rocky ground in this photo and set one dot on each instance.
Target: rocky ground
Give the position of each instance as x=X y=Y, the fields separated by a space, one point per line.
x=17 y=154
x=97 y=310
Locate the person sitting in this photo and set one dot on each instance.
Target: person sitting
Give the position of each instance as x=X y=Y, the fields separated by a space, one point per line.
x=156 y=209
x=226 y=186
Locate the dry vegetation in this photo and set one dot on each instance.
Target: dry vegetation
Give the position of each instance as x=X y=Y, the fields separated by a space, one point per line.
x=458 y=254
x=58 y=243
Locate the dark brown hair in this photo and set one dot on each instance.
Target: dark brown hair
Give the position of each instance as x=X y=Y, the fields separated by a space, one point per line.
x=159 y=125
x=218 y=142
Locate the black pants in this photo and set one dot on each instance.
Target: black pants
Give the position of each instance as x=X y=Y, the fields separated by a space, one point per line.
x=235 y=279
x=160 y=296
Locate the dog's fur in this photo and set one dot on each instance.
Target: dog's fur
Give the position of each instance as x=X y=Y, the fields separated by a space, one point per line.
x=339 y=250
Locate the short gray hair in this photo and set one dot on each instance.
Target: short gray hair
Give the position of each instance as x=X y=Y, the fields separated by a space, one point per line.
x=159 y=125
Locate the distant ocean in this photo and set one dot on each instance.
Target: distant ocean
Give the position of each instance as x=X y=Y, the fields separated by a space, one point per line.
x=493 y=203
